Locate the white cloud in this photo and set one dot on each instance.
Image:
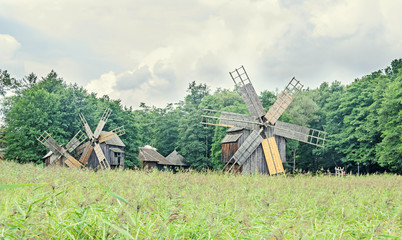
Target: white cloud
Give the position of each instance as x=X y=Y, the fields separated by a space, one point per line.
x=148 y=51
x=8 y=46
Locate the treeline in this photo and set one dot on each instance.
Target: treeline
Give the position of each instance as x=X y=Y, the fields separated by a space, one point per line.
x=363 y=121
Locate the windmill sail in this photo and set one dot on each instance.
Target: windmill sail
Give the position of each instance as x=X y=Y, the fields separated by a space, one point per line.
x=102 y=122
x=300 y=133
x=76 y=141
x=284 y=100
x=104 y=164
x=247 y=91
x=272 y=156
x=88 y=130
x=228 y=119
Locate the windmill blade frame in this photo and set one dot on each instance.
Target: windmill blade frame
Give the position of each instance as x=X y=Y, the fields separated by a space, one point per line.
x=86 y=153
x=102 y=122
x=84 y=122
x=228 y=119
x=111 y=134
x=103 y=163
x=284 y=100
x=50 y=143
x=77 y=140
x=303 y=134
x=247 y=91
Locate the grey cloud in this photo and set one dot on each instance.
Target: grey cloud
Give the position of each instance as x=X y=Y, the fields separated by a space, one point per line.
x=132 y=80
x=164 y=71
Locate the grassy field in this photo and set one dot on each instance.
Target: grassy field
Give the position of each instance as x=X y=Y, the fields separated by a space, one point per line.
x=61 y=203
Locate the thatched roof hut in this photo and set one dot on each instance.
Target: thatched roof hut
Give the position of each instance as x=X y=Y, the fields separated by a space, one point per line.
x=176 y=159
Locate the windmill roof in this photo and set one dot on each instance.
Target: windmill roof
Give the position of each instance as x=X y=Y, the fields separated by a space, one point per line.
x=234 y=129
x=116 y=150
x=229 y=138
x=116 y=141
x=151 y=155
x=176 y=158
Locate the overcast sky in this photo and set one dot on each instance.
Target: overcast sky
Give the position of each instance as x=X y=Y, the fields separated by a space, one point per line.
x=150 y=50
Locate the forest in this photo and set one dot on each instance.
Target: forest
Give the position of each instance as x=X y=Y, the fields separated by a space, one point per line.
x=363 y=120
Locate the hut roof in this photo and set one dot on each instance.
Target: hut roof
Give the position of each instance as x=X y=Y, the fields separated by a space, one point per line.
x=149 y=154
x=176 y=158
x=116 y=141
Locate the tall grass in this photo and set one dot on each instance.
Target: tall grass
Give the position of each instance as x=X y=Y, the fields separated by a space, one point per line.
x=60 y=203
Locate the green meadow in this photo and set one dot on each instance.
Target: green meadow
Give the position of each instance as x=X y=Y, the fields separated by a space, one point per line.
x=62 y=203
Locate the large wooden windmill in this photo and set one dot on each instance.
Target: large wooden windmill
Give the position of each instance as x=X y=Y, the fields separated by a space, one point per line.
x=65 y=153
x=259 y=149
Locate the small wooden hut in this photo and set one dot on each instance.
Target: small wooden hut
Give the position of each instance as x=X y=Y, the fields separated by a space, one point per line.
x=177 y=159
x=256 y=163
x=150 y=158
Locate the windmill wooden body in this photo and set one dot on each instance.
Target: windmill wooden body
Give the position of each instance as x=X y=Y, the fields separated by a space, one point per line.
x=257 y=144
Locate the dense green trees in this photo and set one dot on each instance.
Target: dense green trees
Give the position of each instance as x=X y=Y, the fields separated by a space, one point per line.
x=363 y=121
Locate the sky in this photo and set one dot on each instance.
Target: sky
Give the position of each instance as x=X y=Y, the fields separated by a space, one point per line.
x=150 y=50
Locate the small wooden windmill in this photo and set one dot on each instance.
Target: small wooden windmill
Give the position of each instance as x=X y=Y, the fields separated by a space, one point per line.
x=97 y=137
x=63 y=153
x=263 y=128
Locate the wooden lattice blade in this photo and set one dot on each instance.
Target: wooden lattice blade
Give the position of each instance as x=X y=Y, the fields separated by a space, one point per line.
x=300 y=133
x=75 y=141
x=72 y=162
x=103 y=163
x=88 y=130
x=252 y=101
x=50 y=143
x=246 y=149
x=109 y=135
x=102 y=122
x=247 y=91
x=228 y=119
x=86 y=153
x=283 y=101
x=272 y=156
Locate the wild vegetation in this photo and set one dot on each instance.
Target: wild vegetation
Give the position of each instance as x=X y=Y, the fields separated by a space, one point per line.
x=363 y=121
x=60 y=203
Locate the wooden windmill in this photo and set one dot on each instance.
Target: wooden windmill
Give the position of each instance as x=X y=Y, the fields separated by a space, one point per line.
x=263 y=128
x=97 y=137
x=63 y=153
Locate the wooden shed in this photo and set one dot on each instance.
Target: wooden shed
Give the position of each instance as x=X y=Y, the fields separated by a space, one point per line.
x=150 y=158
x=256 y=163
x=177 y=159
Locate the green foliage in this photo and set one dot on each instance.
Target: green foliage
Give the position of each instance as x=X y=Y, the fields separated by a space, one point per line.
x=193 y=137
x=389 y=151
x=7 y=82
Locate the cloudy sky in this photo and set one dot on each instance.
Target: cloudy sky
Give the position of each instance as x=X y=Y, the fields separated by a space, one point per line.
x=149 y=50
